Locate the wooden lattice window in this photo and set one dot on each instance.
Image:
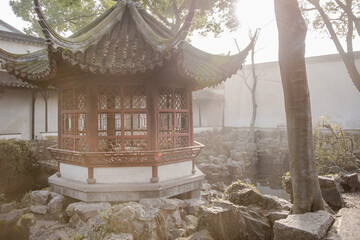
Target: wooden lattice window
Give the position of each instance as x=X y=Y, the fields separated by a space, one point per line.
x=173 y=118
x=122 y=118
x=73 y=117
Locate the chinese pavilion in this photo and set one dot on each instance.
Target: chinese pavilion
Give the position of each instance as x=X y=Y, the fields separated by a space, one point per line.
x=125 y=108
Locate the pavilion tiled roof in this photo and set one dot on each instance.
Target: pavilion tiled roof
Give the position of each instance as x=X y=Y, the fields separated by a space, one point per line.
x=126 y=39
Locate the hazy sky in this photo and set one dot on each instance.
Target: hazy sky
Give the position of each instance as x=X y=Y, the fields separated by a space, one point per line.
x=252 y=14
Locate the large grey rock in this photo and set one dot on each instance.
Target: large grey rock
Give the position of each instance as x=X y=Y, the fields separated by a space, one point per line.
x=274 y=216
x=214 y=170
x=26 y=220
x=245 y=195
x=170 y=209
x=348 y=227
x=86 y=210
x=308 y=226
x=51 y=230
x=57 y=204
x=202 y=235
x=144 y=223
x=40 y=197
x=330 y=189
x=11 y=217
x=350 y=182
x=7 y=207
x=225 y=220
x=236 y=168
x=39 y=209
x=331 y=192
x=193 y=205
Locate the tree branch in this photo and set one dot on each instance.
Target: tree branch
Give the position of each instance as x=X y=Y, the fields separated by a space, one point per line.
x=350 y=14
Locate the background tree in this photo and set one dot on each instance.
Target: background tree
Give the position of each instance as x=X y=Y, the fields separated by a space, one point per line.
x=292 y=32
x=212 y=16
x=337 y=18
x=255 y=80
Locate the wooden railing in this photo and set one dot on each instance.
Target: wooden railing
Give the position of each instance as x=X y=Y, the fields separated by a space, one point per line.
x=119 y=159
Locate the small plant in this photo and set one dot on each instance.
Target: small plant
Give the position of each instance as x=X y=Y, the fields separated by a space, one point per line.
x=25 y=200
x=334 y=149
x=101 y=231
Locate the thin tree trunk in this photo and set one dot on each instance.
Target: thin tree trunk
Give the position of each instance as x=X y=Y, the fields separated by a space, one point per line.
x=251 y=138
x=292 y=31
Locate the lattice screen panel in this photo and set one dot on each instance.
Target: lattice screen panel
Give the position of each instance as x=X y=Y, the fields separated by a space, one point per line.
x=173 y=118
x=73 y=114
x=122 y=118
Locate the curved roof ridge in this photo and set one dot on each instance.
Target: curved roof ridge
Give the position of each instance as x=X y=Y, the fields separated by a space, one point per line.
x=93 y=33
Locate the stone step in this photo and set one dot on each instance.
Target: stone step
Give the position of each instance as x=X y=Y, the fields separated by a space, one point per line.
x=349 y=223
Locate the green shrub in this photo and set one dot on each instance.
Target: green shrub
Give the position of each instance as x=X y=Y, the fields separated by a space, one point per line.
x=332 y=148
x=15 y=160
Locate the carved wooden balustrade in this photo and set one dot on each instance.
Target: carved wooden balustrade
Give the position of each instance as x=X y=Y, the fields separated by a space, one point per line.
x=152 y=159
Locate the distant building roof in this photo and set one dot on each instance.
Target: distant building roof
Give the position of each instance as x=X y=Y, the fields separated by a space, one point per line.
x=7 y=80
x=22 y=38
x=11 y=28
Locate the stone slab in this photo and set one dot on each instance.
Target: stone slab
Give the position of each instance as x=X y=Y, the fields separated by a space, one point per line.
x=124 y=191
x=349 y=223
x=308 y=226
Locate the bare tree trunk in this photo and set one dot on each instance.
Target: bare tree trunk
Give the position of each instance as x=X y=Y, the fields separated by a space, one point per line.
x=292 y=31
x=251 y=138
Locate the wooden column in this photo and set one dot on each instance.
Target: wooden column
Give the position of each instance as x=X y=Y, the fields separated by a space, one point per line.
x=152 y=108
x=91 y=125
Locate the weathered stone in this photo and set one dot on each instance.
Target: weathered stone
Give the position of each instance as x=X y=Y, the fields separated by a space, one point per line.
x=39 y=197
x=170 y=209
x=225 y=220
x=163 y=203
x=51 y=230
x=308 y=226
x=330 y=189
x=274 y=216
x=244 y=195
x=120 y=236
x=26 y=220
x=205 y=186
x=202 y=235
x=190 y=220
x=11 y=217
x=236 y=168
x=348 y=228
x=39 y=209
x=350 y=182
x=86 y=210
x=142 y=222
x=211 y=195
x=7 y=207
x=57 y=204
x=331 y=192
x=193 y=205
x=214 y=170
x=219 y=186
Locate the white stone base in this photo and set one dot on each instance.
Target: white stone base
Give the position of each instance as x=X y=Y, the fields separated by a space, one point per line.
x=120 y=192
